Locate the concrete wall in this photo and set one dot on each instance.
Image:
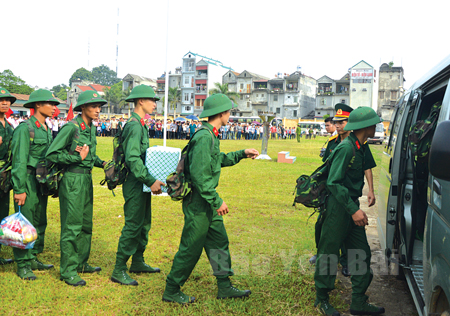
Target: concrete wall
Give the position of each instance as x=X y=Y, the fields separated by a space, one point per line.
x=361 y=94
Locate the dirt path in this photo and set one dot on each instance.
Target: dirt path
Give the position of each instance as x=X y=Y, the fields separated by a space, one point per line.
x=385 y=290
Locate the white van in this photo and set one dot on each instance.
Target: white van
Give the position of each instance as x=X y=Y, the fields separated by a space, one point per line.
x=414 y=193
x=379 y=135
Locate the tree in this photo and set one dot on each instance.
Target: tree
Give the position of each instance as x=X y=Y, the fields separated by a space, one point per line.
x=326 y=116
x=223 y=88
x=13 y=83
x=60 y=91
x=81 y=73
x=174 y=98
x=104 y=75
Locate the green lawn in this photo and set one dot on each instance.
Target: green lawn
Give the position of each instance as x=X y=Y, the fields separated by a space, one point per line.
x=270 y=242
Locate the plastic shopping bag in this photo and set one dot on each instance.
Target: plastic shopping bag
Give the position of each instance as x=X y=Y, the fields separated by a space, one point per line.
x=17 y=232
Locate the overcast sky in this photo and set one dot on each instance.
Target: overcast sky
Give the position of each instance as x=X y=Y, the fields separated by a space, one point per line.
x=44 y=42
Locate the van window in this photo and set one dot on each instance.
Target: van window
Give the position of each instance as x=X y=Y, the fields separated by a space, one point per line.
x=394 y=127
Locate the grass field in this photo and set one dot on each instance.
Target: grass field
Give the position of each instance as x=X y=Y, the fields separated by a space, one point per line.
x=270 y=242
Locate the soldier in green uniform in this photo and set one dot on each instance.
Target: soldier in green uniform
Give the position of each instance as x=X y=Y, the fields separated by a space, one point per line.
x=298 y=131
x=6 y=131
x=27 y=152
x=342 y=210
x=137 y=207
x=340 y=120
x=78 y=156
x=203 y=208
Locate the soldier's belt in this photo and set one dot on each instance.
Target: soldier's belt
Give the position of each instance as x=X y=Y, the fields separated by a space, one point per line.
x=80 y=170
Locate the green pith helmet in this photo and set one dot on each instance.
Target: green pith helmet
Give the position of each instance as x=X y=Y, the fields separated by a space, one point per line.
x=215 y=104
x=142 y=92
x=5 y=94
x=40 y=95
x=362 y=117
x=89 y=97
x=342 y=112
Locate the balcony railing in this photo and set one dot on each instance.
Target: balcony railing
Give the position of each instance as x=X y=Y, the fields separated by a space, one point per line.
x=202 y=76
x=245 y=90
x=198 y=107
x=204 y=91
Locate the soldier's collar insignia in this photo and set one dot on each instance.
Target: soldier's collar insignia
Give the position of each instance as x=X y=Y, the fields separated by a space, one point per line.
x=357 y=144
x=215 y=131
x=83 y=127
x=142 y=122
x=38 y=124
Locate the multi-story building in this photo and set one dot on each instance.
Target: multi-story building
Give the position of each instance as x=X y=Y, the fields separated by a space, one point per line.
x=361 y=85
x=290 y=96
x=330 y=92
x=390 y=88
x=197 y=79
x=78 y=86
x=174 y=82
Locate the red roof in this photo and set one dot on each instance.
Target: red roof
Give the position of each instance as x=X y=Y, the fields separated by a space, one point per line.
x=99 y=87
x=85 y=88
x=23 y=97
x=160 y=81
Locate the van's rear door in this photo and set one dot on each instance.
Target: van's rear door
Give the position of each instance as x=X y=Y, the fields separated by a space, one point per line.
x=388 y=193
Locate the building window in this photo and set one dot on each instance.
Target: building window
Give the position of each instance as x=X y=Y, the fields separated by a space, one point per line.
x=343 y=101
x=295 y=113
x=278 y=111
x=398 y=77
x=381 y=94
x=245 y=75
x=186 y=97
x=323 y=101
x=275 y=97
x=393 y=95
x=186 y=80
x=229 y=75
x=241 y=86
x=248 y=104
x=242 y=97
x=262 y=95
x=257 y=95
x=295 y=100
x=318 y=113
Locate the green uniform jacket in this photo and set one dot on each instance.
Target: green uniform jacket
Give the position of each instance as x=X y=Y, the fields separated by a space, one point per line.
x=298 y=130
x=369 y=162
x=346 y=186
x=59 y=149
x=6 y=134
x=135 y=148
x=203 y=167
x=26 y=155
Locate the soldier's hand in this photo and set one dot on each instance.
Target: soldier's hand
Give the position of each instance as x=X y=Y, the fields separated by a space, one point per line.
x=20 y=198
x=251 y=153
x=84 y=151
x=371 y=198
x=1 y=140
x=223 y=209
x=360 y=218
x=156 y=187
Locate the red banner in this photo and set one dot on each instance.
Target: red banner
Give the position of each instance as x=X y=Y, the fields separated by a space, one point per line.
x=70 y=114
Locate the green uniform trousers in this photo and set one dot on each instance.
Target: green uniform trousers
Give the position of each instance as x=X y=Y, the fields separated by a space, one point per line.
x=138 y=219
x=4 y=207
x=338 y=228
x=318 y=231
x=203 y=228
x=35 y=210
x=76 y=209
x=298 y=138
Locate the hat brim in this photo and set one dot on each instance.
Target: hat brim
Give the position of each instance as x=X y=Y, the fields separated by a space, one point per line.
x=143 y=97
x=101 y=101
x=14 y=99
x=360 y=125
x=217 y=110
x=30 y=104
x=338 y=119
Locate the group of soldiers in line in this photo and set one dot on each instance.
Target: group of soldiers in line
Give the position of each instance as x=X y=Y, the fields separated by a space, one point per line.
x=75 y=148
x=348 y=155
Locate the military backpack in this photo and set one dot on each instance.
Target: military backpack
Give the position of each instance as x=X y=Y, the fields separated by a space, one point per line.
x=421 y=133
x=178 y=187
x=116 y=170
x=311 y=190
x=49 y=174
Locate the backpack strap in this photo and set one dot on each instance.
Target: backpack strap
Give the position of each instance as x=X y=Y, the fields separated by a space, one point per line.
x=212 y=136
x=76 y=137
x=30 y=129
